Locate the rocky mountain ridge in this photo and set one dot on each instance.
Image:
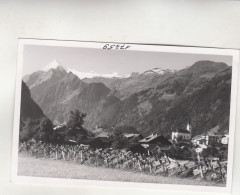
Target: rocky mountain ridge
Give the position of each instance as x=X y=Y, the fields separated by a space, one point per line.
x=153 y=102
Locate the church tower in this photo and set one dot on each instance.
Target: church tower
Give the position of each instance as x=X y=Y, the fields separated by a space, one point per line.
x=189 y=126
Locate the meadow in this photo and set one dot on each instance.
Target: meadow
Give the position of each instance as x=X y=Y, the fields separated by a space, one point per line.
x=42 y=167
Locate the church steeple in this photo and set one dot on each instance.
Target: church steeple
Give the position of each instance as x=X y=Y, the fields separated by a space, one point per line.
x=189 y=126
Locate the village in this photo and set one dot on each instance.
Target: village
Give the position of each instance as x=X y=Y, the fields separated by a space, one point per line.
x=216 y=143
x=182 y=155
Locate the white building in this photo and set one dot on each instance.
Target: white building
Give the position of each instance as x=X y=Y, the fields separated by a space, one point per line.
x=200 y=148
x=225 y=139
x=209 y=139
x=181 y=134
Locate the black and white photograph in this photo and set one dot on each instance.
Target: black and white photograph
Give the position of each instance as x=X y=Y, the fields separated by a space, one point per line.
x=151 y=115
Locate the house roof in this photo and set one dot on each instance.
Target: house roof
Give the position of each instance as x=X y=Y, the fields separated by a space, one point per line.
x=59 y=126
x=201 y=146
x=181 y=131
x=149 y=138
x=131 y=135
x=103 y=134
x=197 y=137
x=226 y=135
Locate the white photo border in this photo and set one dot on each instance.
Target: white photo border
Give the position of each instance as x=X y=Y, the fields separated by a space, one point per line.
x=135 y=47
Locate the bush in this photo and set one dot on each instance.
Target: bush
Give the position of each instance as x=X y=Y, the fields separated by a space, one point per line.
x=75 y=125
x=119 y=141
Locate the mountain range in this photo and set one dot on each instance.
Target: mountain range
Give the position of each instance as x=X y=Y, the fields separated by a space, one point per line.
x=155 y=101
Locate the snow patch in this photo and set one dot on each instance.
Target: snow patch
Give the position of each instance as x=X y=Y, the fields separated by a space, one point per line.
x=93 y=74
x=54 y=65
x=158 y=71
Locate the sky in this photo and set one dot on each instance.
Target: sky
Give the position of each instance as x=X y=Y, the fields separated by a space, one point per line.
x=123 y=62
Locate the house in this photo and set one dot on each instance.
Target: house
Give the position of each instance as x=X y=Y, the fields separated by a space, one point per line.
x=224 y=142
x=103 y=134
x=202 y=139
x=198 y=140
x=207 y=139
x=154 y=140
x=225 y=139
x=96 y=142
x=213 y=139
x=199 y=148
x=106 y=141
x=135 y=148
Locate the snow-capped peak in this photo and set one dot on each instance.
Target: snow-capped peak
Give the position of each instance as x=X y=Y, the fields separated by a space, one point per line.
x=54 y=65
x=158 y=71
x=92 y=74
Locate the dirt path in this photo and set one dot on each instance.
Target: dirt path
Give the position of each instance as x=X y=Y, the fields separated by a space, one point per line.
x=30 y=166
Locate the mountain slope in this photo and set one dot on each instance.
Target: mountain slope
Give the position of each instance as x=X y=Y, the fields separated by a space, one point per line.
x=53 y=88
x=155 y=101
x=63 y=91
x=33 y=122
x=124 y=87
x=29 y=109
x=200 y=96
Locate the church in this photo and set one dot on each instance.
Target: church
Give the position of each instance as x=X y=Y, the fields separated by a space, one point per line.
x=182 y=134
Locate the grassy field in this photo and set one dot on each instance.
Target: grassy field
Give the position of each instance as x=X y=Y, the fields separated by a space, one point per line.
x=30 y=166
